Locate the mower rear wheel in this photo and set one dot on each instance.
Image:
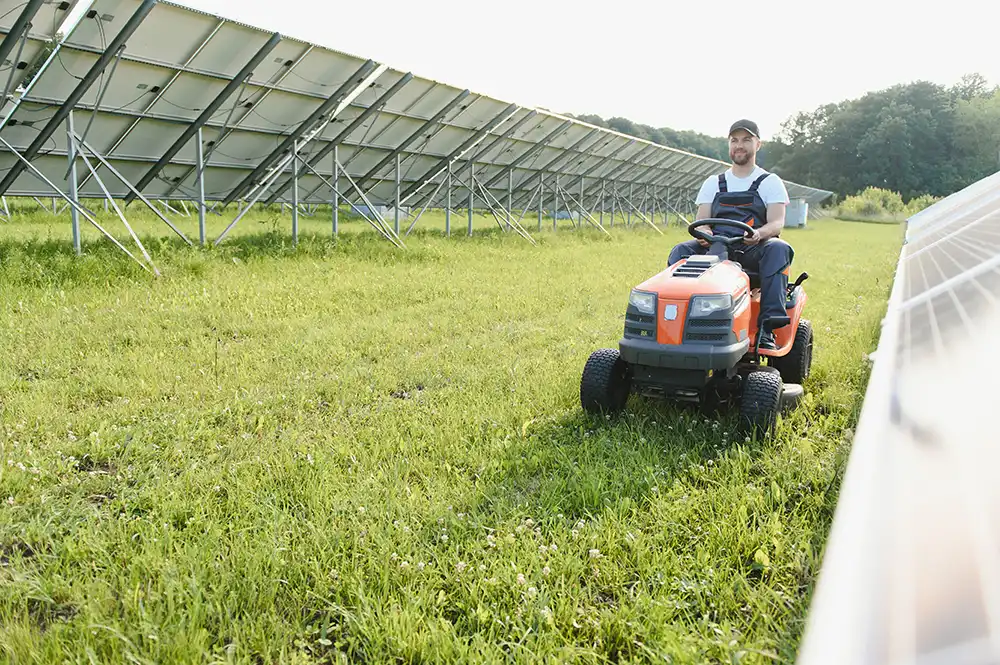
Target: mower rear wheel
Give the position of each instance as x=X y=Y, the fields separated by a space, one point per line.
x=605 y=385
x=760 y=403
x=795 y=366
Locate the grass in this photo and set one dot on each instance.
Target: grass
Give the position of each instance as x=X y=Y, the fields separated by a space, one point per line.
x=345 y=452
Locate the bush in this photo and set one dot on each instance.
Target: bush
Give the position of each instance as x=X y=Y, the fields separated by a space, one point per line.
x=882 y=204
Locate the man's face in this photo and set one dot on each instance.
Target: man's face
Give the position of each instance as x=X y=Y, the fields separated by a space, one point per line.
x=743 y=147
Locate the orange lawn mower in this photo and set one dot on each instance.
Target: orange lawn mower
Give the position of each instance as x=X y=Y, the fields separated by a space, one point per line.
x=692 y=334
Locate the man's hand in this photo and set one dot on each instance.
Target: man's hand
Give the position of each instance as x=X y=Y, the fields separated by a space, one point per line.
x=752 y=239
x=702 y=241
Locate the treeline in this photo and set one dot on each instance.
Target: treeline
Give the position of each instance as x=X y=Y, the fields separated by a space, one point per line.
x=916 y=139
x=699 y=144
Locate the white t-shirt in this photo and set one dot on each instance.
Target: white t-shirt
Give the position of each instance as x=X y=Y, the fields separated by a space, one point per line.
x=772 y=190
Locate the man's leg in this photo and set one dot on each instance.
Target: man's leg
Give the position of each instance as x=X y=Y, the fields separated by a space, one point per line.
x=770 y=259
x=689 y=248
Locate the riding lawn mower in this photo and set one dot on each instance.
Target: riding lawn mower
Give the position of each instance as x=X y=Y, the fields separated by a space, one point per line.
x=692 y=334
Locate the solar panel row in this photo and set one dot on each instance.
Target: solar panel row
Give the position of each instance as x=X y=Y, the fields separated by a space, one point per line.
x=911 y=573
x=143 y=77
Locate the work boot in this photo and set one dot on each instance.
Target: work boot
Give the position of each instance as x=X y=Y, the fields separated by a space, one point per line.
x=767 y=342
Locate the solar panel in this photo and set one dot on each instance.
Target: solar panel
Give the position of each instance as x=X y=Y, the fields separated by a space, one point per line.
x=911 y=573
x=252 y=96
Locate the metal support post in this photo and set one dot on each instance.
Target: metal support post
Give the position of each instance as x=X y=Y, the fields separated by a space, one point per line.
x=630 y=204
x=602 y=203
x=582 y=201
x=541 y=200
x=73 y=193
x=396 y=218
x=510 y=193
x=295 y=193
x=447 y=205
x=555 y=204
x=335 y=195
x=200 y=154
x=614 y=192
x=472 y=193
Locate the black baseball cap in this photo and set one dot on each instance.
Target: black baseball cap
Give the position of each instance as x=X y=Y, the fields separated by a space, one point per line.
x=748 y=125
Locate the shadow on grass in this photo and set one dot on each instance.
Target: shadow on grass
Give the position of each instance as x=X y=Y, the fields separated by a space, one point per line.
x=50 y=261
x=613 y=470
x=580 y=465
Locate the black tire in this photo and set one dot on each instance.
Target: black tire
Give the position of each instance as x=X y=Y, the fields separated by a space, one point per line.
x=760 y=403
x=795 y=366
x=605 y=384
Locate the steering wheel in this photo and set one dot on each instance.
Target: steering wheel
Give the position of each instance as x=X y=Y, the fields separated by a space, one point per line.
x=715 y=221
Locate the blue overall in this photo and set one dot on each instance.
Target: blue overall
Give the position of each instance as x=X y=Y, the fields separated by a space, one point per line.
x=768 y=258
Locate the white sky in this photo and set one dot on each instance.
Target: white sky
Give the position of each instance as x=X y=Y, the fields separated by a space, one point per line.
x=694 y=65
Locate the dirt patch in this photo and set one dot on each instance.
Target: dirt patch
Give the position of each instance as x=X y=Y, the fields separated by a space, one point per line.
x=44 y=613
x=8 y=551
x=96 y=467
x=408 y=392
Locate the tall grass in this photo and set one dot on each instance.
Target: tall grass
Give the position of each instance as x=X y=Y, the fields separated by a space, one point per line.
x=346 y=452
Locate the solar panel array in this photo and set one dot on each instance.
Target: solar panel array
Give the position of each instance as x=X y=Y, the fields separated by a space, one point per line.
x=145 y=79
x=911 y=573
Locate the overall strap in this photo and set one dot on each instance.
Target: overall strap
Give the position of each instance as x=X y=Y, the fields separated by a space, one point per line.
x=756 y=183
x=722 y=183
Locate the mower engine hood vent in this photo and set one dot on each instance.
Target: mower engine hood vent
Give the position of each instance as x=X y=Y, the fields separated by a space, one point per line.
x=696 y=266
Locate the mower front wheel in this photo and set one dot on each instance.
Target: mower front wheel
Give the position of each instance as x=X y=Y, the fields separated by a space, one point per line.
x=605 y=384
x=760 y=403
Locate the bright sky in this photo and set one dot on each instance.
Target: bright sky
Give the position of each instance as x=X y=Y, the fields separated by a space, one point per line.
x=694 y=65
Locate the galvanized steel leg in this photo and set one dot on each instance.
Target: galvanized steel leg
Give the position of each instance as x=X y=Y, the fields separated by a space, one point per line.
x=201 y=187
x=541 y=200
x=335 y=198
x=472 y=193
x=555 y=203
x=510 y=194
x=295 y=193
x=396 y=218
x=74 y=195
x=614 y=192
x=447 y=205
x=602 y=203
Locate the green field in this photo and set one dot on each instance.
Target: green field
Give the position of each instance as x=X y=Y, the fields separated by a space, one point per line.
x=347 y=452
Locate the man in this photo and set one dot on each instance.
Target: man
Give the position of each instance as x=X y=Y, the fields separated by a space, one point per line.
x=747 y=193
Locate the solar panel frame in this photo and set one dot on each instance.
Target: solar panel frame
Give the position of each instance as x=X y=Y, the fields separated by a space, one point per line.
x=245 y=131
x=911 y=572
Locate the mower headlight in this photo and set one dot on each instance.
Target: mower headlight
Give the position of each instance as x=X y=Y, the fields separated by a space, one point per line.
x=643 y=301
x=708 y=305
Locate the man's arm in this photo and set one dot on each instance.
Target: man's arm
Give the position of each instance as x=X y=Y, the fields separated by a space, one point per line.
x=773 y=191
x=775 y=221
x=704 y=212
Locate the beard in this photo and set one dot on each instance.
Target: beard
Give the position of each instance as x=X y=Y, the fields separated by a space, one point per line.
x=741 y=158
